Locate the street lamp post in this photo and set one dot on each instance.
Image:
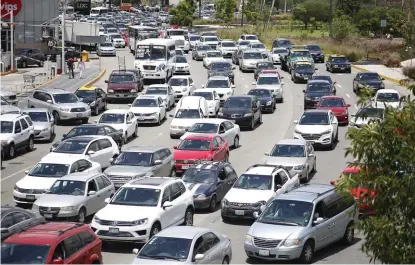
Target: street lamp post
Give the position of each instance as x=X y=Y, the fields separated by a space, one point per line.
x=63 y=36
x=11 y=39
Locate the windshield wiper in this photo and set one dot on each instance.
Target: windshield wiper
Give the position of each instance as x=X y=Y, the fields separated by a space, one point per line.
x=159 y=257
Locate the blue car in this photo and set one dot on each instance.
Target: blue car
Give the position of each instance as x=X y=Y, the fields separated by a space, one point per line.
x=265 y=98
x=209 y=182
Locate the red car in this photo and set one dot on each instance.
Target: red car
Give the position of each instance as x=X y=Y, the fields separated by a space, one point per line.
x=196 y=148
x=337 y=105
x=53 y=243
x=359 y=193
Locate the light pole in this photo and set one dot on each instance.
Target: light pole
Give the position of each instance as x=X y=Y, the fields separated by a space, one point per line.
x=64 y=3
x=11 y=39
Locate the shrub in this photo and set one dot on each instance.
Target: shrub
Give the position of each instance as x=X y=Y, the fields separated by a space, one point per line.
x=391 y=59
x=343 y=28
x=352 y=56
x=409 y=71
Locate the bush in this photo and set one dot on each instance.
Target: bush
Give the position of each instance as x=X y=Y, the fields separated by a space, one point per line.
x=391 y=59
x=409 y=71
x=352 y=56
x=343 y=28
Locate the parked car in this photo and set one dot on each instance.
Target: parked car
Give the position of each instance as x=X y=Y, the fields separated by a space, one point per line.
x=15 y=219
x=95 y=97
x=26 y=57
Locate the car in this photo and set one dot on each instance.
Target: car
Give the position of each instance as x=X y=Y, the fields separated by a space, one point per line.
x=324 y=77
x=222 y=85
x=387 y=98
x=336 y=63
x=258 y=46
x=182 y=86
x=95 y=97
x=295 y=54
x=63 y=105
x=282 y=43
x=189 y=245
x=179 y=52
x=27 y=56
x=142 y=208
x=42 y=176
x=243 y=44
x=294 y=155
x=43 y=123
x=9 y=96
x=180 y=65
x=274 y=237
x=319 y=127
x=139 y=161
x=193 y=39
x=276 y=54
x=117 y=39
x=53 y=243
x=15 y=219
x=212 y=99
x=17 y=132
x=265 y=97
x=229 y=131
x=212 y=56
x=258 y=185
x=97 y=148
x=248 y=37
x=165 y=92
x=8 y=108
x=316 y=52
x=92 y=129
x=106 y=49
x=75 y=197
x=337 y=105
x=367 y=80
x=149 y=109
x=222 y=68
x=366 y=115
x=315 y=90
x=124 y=85
x=273 y=82
x=236 y=56
x=302 y=72
x=262 y=66
x=209 y=182
x=242 y=110
x=122 y=120
x=227 y=47
x=212 y=41
x=249 y=59
x=200 y=51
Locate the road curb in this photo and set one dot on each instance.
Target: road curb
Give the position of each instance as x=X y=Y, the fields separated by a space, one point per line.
x=8 y=72
x=93 y=81
x=394 y=80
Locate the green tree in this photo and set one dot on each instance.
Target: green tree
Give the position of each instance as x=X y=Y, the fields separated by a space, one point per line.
x=251 y=12
x=225 y=10
x=343 y=28
x=385 y=153
x=182 y=14
x=312 y=10
x=348 y=7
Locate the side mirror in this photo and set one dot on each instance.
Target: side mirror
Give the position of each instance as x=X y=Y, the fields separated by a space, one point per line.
x=303 y=90
x=111 y=160
x=233 y=67
x=92 y=192
x=263 y=208
x=96 y=121
x=129 y=105
x=26 y=172
x=353 y=115
x=106 y=81
x=203 y=86
x=295 y=122
x=282 y=83
x=167 y=204
x=267 y=154
x=158 y=162
x=382 y=79
x=319 y=220
x=315 y=69
x=334 y=82
x=175 y=147
x=332 y=182
x=4 y=230
x=135 y=251
x=277 y=187
x=311 y=155
x=348 y=105
x=199 y=256
x=91 y=152
x=64 y=135
x=57 y=261
x=335 y=122
x=233 y=86
x=281 y=77
x=107 y=200
x=49 y=101
x=256 y=215
x=253 y=83
x=222 y=131
x=129 y=122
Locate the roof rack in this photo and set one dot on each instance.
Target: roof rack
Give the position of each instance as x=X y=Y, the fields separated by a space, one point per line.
x=311 y=192
x=268 y=165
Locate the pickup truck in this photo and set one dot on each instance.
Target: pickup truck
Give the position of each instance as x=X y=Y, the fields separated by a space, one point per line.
x=124 y=84
x=293 y=56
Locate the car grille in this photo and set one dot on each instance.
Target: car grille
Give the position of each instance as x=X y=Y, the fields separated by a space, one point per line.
x=266 y=242
x=221 y=95
x=143 y=114
x=54 y=210
x=37 y=132
x=12 y=97
x=236 y=115
x=24 y=199
x=122 y=91
x=78 y=109
x=31 y=191
x=149 y=67
x=191 y=161
x=119 y=234
x=237 y=204
x=311 y=136
x=122 y=178
x=115 y=223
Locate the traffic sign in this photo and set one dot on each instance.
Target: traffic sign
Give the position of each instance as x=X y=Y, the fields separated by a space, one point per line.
x=9 y=6
x=383 y=23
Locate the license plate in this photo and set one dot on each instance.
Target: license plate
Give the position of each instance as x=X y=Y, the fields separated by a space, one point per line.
x=263 y=252
x=140 y=118
x=342 y=68
x=78 y=115
x=185 y=167
x=30 y=197
x=113 y=230
x=311 y=142
x=305 y=78
x=49 y=216
x=239 y=212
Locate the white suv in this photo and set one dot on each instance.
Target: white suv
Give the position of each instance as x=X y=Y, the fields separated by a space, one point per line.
x=255 y=188
x=143 y=207
x=17 y=132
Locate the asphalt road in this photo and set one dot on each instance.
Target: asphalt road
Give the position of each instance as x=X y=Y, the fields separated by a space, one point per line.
x=253 y=146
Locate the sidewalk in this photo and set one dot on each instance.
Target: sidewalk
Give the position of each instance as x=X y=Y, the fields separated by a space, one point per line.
x=394 y=75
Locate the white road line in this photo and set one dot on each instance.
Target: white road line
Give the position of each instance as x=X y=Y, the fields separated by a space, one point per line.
x=16 y=173
x=348 y=95
x=355 y=106
x=160 y=134
x=339 y=85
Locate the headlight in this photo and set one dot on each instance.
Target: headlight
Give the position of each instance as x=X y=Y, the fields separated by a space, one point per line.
x=45 y=130
x=184 y=89
x=97 y=220
x=269 y=103
x=297 y=131
x=229 y=93
x=133 y=90
x=248 y=115
x=16 y=188
x=211 y=105
x=225 y=202
x=259 y=204
x=110 y=91
x=92 y=103
x=327 y=132
x=201 y=196
x=141 y=221
x=345 y=112
x=299 y=167
x=174 y=127
x=64 y=109
x=292 y=242
x=248 y=239
x=220 y=113
x=296 y=74
x=68 y=208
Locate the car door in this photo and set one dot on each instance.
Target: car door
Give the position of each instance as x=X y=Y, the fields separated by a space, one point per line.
x=213 y=251
x=166 y=163
x=328 y=62
x=222 y=185
x=279 y=186
x=356 y=80
x=169 y=161
x=105 y=152
x=322 y=230
x=191 y=85
x=310 y=155
x=231 y=177
x=129 y=124
x=170 y=95
x=157 y=169
x=222 y=132
x=19 y=137
x=72 y=246
x=334 y=123
x=89 y=246
x=215 y=149
x=37 y=100
x=229 y=134
x=167 y=216
x=288 y=181
x=216 y=99
x=25 y=130
x=179 y=201
x=162 y=107
x=93 y=203
x=104 y=191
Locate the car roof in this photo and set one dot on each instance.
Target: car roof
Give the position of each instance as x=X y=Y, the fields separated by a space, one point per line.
x=200 y=137
x=53 y=91
x=143 y=148
x=10 y=116
x=116 y=111
x=218 y=77
x=318 y=81
x=292 y=141
x=261 y=170
x=35 y=110
x=88 y=137
x=80 y=176
x=156 y=85
x=251 y=50
x=150 y=182
x=387 y=90
x=317 y=111
x=306 y=192
x=69 y=160
x=148 y=96
x=187 y=232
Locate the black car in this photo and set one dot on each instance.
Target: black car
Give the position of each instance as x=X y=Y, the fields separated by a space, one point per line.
x=243 y=110
x=302 y=72
x=368 y=80
x=93 y=129
x=282 y=43
x=95 y=97
x=236 y=56
x=338 y=64
x=222 y=68
x=260 y=66
x=209 y=182
x=316 y=52
x=265 y=98
x=26 y=57
x=315 y=90
x=14 y=219
x=323 y=77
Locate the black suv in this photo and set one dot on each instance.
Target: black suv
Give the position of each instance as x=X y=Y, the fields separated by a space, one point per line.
x=368 y=80
x=223 y=69
x=316 y=52
x=302 y=72
x=242 y=110
x=338 y=64
x=315 y=90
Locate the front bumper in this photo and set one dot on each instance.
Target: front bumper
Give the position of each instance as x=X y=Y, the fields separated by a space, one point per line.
x=343 y=119
x=63 y=115
x=201 y=203
x=122 y=95
x=248 y=67
x=181 y=70
x=318 y=58
x=138 y=233
x=227 y=53
x=302 y=78
x=179 y=94
x=25 y=198
x=112 y=53
x=241 y=121
x=278 y=253
x=341 y=68
x=265 y=107
x=43 y=135
x=315 y=139
x=238 y=212
x=154 y=74
x=142 y=119
x=177 y=132
x=119 y=44
x=52 y=214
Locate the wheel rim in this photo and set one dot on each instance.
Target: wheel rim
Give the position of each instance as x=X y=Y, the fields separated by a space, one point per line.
x=308 y=253
x=31 y=144
x=350 y=235
x=225 y=261
x=81 y=217
x=236 y=142
x=11 y=151
x=173 y=174
x=154 y=231
x=189 y=218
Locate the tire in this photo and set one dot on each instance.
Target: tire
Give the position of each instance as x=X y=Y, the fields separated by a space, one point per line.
x=314 y=169
x=159 y=121
x=11 y=151
x=348 y=237
x=173 y=173
x=332 y=144
x=236 y=142
x=273 y=108
x=337 y=136
x=225 y=260
x=252 y=127
x=120 y=143
x=81 y=217
x=225 y=219
x=30 y=144
x=56 y=117
x=227 y=158
x=307 y=178
x=308 y=253
x=260 y=118
x=85 y=121
x=96 y=111
x=52 y=134
x=212 y=204
x=135 y=134
x=188 y=217
x=154 y=229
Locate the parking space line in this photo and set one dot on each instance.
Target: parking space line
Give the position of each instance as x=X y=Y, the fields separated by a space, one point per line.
x=339 y=85
x=16 y=173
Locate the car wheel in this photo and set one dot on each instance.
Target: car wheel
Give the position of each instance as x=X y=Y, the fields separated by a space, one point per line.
x=348 y=237
x=154 y=230
x=173 y=173
x=332 y=144
x=260 y=118
x=225 y=260
x=188 y=217
x=236 y=142
x=227 y=158
x=11 y=152
x=135 y=134
x=212 y=204
x=30 y=144
x=273 y=108
x=52 y=134
x=307 y=254
x=225 y=219
x=314 y=169
x=327 y=69
x=85 y=121
x=120 y=144
x=252 y=127
x=159 y=120
x=81 y=216
x=56 y=117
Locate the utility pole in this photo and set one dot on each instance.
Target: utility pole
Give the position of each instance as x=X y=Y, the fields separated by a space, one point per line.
x=285 y=7
x=11 y=40
x=331 y=19
x=242 y=16
x=65 y=2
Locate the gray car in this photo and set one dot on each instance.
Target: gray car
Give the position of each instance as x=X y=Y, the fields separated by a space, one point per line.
x=140 y=161
x=9 y=96
x=294 y=155
x=298 y=223
x=200 y=51
x=6 y=107
x=273 y=83
x=186 y=245
x=14 y=219
x=249 y=59
x=43 y=122
x=75 y=196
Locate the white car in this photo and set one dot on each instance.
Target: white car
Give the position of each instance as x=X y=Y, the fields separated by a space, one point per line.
x=43 y=122
x=9 y=96
x=193 y=40
x=212 y=41
x=255 y=188
x=179 y=52
x=122 y=120
x=242 y=45
x=259 y=46
x=143 y=207
x=182 y=86
x=387 y=98
x=8 y=108
x=165 y=92
x=276 y=54
x=149 y=109
x=117 y=40
x=249 y=37
x=319 y=127
x=227 y=48
x=212 y=56
x=273 y=83
x=222 y=85
x=179 y=65
x=42 y=176
x=106 y=49
x=212 y=99
x=224 y=128
x=97 y=148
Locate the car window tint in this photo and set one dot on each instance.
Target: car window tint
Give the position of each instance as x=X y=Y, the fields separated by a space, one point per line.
x=168 y=153
x=101 y=183
x=284 y=177
x=29 y=120
x=17 y=127
x=24 y=124
x=211 y=238
x=104 y=143
x=7 y=221
x=93 y=147
x=166 y=195
x=74 y=167
x=157 y=156
x=182 y=187
x=333 y=209
x=198 y=248
x=319 y=211
x=230 y=171
x=84 y=165
x=20 y=217
x=72 y=245
x=106 y=180
x=175 y=191
x=101 y=131
x=228 y=125
x=86 y=238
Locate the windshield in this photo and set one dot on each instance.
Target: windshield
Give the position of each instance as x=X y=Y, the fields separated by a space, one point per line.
x=288 y=150
x=217 y=83
x=68 y=187
x=194 y=38
x=220 y=66
x=304 y=68
x=228 y=44
x=122 y=79
x=314 y=119
x=178 y=82
x=252 y=55
x=23 y=253
x=254 y=182
x=145 y=102
x=279 y=51
x=194 y=145
x=211 y=39
x=176 y=32
x=287 y=212
x=204 y=48
x=6 y=127
x=370 y=112
x=268 y=80
x=112 y=118
x=198 y=175
x=116 y=36
x=72 y=147
x=300 y=54
x=263 y=65
x=39 y=116
x=339 y=60
x=134 y=159
x=47 y=170
x=77 y=131
x=106 y=44
x=387 y=97
x=188 y=114
x=166 y=248
x=370 y=77
x=239 y=103
x=180 y=59
x=318 y=87
x=65 y=98
x=214 y=54
x=206 y=95
x=151 y=53
x=204 y=128
x=313 y=48
x=258 y=46
x=85 y=94
x=322 y=77
x=179 y=53
x=332 y=102
x=261 y=93
x=156 y=91
x=251 y=38
x=136 y=197
x=283 y=43
x=244 y=43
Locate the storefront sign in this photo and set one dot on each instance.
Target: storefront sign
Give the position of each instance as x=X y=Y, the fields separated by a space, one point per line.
x=83 y=7
x=8 y=6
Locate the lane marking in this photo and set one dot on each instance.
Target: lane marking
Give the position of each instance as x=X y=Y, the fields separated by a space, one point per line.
x=355 y=106
x=339 y=85
x=348 y=95
x=16 y=173
x=160 y=134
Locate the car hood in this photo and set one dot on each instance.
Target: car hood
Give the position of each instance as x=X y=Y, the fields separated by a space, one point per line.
x=118 y=39
x=107 y=48
x=253 y=61
x=41 y=125
x=336 y=110
x=155 y=261
x=126 y=213
x=316 y=95
x=317 y=129
x=220 y=90
x=274 y=231
x=264 y=100
x=184 y=122
x=10 y=109
x=6 y=136
x=74 y=105
x=144 y=109
x=126 y=170
x=248 y=196
x=269 y=87
x=54 y=155
x=212 y=59
x=88 y=100
x=38 y=183
x=181 y=64
x=198 y=188
x=382 y=105
x=235 y=111
x=286 y=161
x=179 y=88
x=117 y=86
x=190 y=155
x=53 y=200
x=220 y=72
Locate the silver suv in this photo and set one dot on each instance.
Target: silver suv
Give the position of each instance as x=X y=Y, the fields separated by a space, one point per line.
x=249 y=59
x=296 y=224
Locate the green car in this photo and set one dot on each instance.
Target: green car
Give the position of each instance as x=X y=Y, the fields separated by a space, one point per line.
x=294 y=56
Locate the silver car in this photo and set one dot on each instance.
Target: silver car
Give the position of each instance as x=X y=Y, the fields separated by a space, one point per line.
x=250 y=58
x=200 y=51
x=75 y=196
x=6 y=107
x=273 y=83
x=106 y=49
x=294 y=155
x=43 y=122
x=298 y=223
x=140 y=161
x=259 y=46
x=186 y=245
x=9 y=96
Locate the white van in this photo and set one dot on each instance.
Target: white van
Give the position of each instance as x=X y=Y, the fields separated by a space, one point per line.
x=189 y=110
